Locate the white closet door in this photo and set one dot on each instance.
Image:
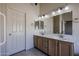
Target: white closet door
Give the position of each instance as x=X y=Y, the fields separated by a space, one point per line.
x=20 y=24
x=15 y=31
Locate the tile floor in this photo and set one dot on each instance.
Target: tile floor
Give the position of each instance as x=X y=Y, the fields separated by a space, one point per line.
x=31 y=52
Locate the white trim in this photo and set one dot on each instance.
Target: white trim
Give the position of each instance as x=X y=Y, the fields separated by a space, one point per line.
x=60 y=23
x=4 y=29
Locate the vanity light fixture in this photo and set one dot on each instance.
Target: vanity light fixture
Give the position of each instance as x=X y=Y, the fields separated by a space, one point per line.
x=59 y=10
x=66 y=8
x=46 y=16
x=42 y=16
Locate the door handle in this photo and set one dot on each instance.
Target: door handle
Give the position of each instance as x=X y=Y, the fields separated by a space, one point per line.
x=10 y=34
x=4 y=29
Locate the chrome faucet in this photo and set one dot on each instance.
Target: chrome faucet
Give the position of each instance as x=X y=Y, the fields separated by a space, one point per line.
x=61 y=35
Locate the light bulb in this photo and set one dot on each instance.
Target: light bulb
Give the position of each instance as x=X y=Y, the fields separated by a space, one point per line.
x=53 y=13
x=46 y=16
x=66 y=8
x=42 y=17
x=59 y=10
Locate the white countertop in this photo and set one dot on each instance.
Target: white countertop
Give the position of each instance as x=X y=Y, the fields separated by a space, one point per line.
x=67 y=38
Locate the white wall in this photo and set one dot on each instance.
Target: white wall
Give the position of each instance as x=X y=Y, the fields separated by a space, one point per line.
x=75 y=32
x=30 y=16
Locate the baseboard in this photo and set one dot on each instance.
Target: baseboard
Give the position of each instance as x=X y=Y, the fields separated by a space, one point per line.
x=17 y=52
x=29 y=48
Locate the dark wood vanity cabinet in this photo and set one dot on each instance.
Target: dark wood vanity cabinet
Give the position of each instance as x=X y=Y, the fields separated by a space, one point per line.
x=45 y=45
x=53 y=47
x=35 y=41
x=65 y=48
x=40 y=42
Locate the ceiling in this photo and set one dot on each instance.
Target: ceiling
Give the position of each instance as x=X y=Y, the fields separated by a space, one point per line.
x=48 y=7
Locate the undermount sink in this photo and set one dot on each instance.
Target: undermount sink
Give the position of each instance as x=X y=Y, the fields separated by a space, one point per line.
x=61 y=36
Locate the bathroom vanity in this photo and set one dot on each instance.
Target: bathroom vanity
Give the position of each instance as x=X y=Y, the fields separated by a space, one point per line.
x=54 y=45
x=59 y=40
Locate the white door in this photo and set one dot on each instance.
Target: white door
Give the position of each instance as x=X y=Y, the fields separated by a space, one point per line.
x=15 y=31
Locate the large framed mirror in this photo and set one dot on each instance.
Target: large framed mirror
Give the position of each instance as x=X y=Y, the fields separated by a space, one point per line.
x=62 y=24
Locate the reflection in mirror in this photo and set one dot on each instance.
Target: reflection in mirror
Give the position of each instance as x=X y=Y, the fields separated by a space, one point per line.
x=36 y=24
x=68 y=27
x=39 y=27
x=56 y=22
x=67 y=23
x=39 y=24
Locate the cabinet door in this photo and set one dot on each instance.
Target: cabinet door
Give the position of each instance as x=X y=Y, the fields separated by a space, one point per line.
x=45 y=45
x=40 y=43
x=36 y=41
x=52 y=47
x=65 y=48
